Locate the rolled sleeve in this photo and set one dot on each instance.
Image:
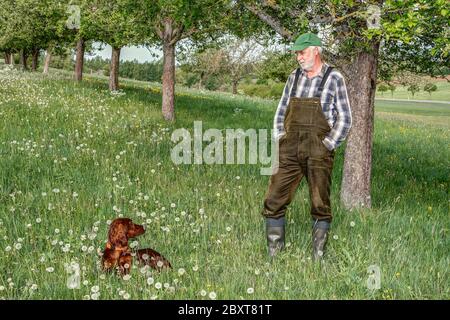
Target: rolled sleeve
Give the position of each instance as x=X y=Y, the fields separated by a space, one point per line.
x=343 y=122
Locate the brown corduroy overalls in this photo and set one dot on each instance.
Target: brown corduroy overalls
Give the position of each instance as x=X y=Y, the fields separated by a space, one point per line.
x=302 y=153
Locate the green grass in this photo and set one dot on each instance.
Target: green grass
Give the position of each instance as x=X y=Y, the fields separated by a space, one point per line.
x=414 y=108
x=73 y=156
x=441 y=94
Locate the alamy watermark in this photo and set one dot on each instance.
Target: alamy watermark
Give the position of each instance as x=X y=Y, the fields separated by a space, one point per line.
x=374 y=279
x=373 y=17
x=74 y=19
x=227 y=146
x=74 y=276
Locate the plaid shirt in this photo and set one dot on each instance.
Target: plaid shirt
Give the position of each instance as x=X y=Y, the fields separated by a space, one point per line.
x=334 y=100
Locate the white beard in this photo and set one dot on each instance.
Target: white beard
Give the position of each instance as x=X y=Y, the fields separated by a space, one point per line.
x=307 y=65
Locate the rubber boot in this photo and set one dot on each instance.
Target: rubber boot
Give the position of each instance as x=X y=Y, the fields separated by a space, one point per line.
x=275 y=230
x=319 y=238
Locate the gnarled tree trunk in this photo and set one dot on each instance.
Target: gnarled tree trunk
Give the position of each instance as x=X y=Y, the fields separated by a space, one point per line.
x=361 y=85
x=79 y=60
x=114 y=69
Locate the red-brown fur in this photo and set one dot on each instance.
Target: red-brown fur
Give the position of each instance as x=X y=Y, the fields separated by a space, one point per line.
x=117 y=254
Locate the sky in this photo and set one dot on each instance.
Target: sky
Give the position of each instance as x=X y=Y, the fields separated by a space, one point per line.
x=141 y=54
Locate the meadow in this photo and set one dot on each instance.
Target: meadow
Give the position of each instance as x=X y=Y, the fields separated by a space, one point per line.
x=75 y=156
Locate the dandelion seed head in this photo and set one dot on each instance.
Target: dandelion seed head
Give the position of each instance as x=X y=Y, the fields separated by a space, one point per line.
x=212 y=295
x=95 y=289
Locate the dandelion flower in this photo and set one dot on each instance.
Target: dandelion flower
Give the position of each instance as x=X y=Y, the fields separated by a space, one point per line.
x=158 y=285
x=203 y=293
x=250 y=290
x=18 y=246
x=150 y=281
x=352 y=224
x=126 y=296
x=181 y=271
x=50 y=269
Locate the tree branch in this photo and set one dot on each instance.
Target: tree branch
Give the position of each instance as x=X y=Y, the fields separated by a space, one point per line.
x=271 y=21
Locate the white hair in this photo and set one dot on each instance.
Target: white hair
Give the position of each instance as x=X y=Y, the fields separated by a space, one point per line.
x=320 y=49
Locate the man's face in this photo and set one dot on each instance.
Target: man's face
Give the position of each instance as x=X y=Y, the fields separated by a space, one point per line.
x=306 y=58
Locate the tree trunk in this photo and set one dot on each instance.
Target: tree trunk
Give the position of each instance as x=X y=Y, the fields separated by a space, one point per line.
x=11 y=59
x=7 y=57
x=114 y=69
x=361 y=77
x=168 y=82
x=35 y=61
x=48 y=57
x=79 y=60
x=235 y=84
x=23 y=59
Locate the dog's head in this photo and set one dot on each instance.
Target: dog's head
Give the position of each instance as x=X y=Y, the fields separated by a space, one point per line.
x=121 y=230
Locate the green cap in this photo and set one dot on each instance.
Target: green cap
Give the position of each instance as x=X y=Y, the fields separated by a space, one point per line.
x=306 y=40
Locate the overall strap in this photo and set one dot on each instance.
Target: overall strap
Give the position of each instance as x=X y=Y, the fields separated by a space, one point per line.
x=294 y=85
x=324 y=80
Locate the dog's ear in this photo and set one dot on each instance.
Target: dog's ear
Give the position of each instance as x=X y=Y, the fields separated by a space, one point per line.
x=118 y=234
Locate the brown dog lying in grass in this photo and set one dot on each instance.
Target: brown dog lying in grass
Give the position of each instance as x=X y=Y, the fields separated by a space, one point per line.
x=117 y=253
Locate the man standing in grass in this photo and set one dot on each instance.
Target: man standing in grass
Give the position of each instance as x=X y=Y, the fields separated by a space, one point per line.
x=312 y=119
